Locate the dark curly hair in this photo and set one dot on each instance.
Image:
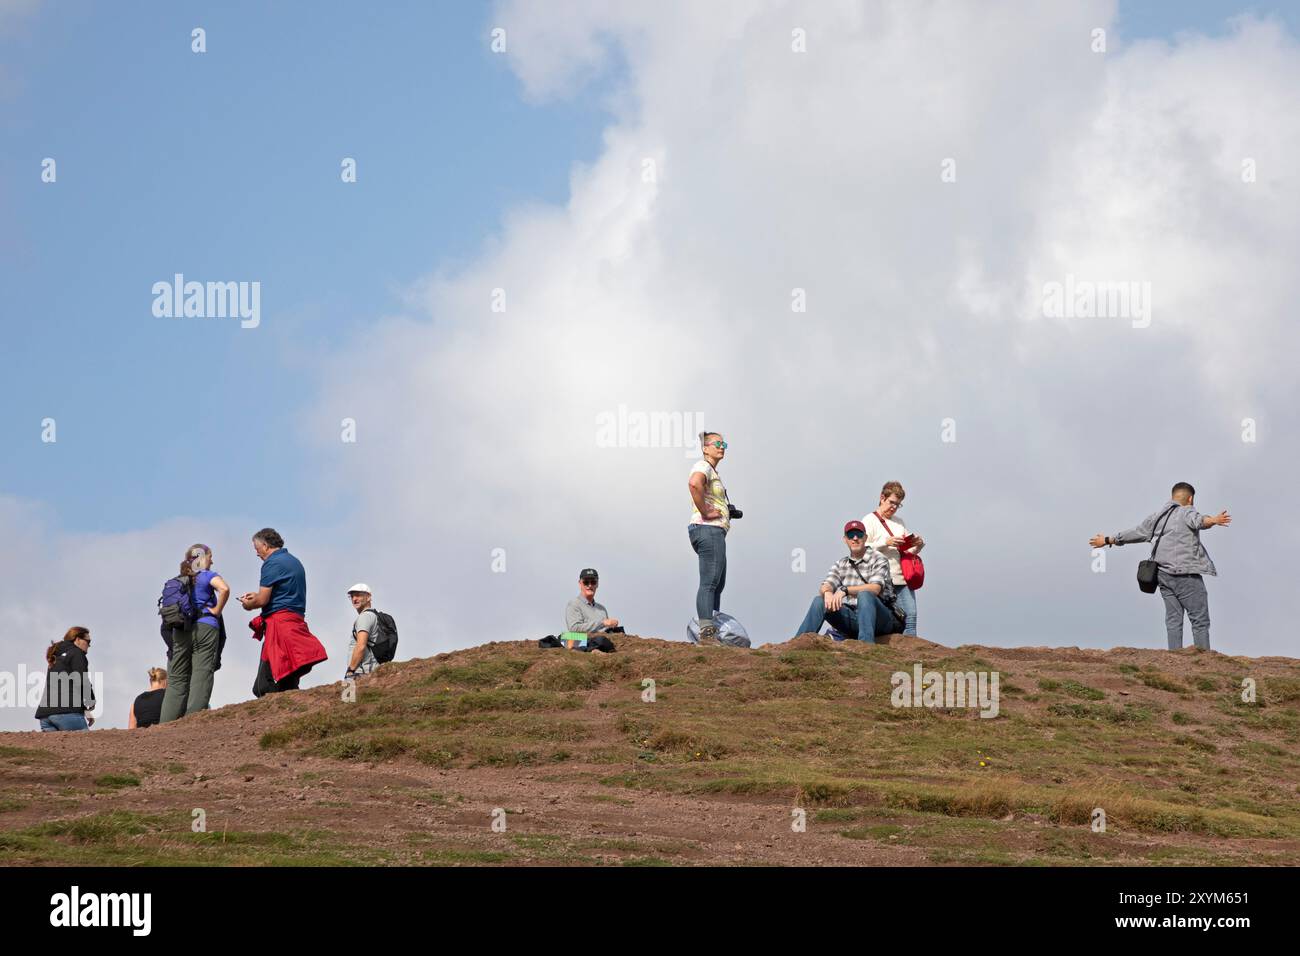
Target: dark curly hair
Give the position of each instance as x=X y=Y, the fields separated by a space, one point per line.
x=269 y=537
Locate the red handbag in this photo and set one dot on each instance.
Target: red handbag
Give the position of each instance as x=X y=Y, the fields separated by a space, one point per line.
x=911 y=564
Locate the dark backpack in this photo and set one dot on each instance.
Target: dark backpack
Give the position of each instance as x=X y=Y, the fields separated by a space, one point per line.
x=594 y=642
x=168 y=636
x=176 y=607
x=383 y=643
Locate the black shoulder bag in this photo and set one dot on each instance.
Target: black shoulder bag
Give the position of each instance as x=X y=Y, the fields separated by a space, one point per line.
x=1148 y=570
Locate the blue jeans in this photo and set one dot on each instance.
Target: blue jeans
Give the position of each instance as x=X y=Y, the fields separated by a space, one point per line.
x=868 y=620
x=64 y=722
x=710 y=543
x=905 y=597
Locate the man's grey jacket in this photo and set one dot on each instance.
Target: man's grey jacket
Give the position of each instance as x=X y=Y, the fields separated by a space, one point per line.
x=1179 y=550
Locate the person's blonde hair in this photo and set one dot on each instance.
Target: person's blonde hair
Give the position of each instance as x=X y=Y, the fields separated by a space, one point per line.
x=893 y=488
x=157 y=675
x=195 y=554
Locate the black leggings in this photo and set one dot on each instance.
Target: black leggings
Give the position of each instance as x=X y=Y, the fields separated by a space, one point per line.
x=266 y=684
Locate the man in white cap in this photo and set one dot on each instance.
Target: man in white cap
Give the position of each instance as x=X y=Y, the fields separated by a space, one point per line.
x=361 y=659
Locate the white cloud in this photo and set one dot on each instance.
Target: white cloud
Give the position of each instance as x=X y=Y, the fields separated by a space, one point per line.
x=17 y=9
x=821 y=171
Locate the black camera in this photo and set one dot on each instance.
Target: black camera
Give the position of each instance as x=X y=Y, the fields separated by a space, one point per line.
x=733 y=512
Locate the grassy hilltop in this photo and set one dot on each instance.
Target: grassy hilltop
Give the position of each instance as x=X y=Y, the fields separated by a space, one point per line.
x=562 y=748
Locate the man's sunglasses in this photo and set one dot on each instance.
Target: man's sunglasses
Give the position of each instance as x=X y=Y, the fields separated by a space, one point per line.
x=855 y=535
x=719 y=444
x=590 y=581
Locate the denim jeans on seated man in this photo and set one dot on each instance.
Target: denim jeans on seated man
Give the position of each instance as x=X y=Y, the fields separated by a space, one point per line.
x=868 y=620
x=64 y=722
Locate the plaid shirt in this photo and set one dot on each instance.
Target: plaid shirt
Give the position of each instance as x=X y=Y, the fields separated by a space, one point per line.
x=871 y=568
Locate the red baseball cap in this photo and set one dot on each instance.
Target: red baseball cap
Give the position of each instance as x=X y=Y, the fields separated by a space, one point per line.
x=855 y=526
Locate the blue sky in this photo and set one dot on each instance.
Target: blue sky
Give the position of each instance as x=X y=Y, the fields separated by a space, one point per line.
x=226 y=166
x=1167 y=18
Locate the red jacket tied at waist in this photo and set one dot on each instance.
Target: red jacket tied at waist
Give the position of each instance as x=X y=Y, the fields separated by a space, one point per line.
x=288 y=645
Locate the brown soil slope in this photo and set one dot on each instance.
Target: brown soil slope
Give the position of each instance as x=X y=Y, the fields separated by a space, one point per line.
x=509 y=754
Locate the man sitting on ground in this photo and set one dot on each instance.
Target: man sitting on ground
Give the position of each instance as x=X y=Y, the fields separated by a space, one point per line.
x=583 y=614
x=857 y=597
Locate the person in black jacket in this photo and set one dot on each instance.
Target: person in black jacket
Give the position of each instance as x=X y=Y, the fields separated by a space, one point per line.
x=68 y=693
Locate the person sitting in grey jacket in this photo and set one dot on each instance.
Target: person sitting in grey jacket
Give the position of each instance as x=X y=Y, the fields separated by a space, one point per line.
x=583 y=614
x=1180 y=559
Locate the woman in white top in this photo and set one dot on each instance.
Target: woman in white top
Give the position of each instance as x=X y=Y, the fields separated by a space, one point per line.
x=885 y=533
x=711 y=515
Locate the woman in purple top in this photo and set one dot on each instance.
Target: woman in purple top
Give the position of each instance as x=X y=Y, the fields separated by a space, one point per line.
x=195 y=649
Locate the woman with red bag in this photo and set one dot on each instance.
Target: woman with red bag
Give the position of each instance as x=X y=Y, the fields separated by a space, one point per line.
x=888 y=536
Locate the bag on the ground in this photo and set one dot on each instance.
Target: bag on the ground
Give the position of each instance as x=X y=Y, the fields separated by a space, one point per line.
x=594 y=642
x=383 y=643
x=1148 y=571
x=730 y=631
x=177 y=607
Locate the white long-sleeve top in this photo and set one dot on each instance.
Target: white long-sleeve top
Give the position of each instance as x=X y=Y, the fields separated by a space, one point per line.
x=876 y=536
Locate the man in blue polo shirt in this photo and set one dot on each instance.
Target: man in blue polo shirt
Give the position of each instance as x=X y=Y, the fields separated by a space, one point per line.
x=282 y=587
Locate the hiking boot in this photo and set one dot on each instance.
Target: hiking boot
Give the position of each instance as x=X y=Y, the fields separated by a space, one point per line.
x=709 y=635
